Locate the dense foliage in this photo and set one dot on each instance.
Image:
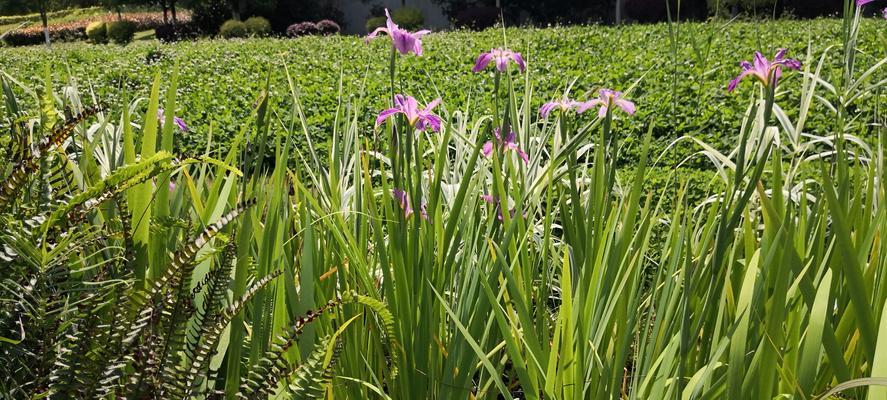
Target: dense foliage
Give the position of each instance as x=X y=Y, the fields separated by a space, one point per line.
x=686 y=95
x=494 y=240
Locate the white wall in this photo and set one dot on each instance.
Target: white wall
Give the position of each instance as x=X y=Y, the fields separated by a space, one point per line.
x=357 y=11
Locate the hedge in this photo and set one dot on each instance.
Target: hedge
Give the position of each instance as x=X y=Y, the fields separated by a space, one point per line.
x=678 y=95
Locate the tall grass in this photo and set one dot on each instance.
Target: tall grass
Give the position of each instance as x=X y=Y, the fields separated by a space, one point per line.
x=572 y=282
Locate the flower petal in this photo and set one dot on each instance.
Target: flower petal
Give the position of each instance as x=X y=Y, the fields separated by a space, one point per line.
x=482 y=61
x=585 y=105
x=404 y=42
x=386 y=114
x=417 y=46
x=430 y=106
x=546 y=108
x=487 y=150
x=501 y=63
x=519 y=61
x=735 y=82
x=626 y=106
x=404 y=201
x=523 y=155
x=432 y=120
x=180 y=123
x=762 y=66
x=376 y=33
x=390 y=23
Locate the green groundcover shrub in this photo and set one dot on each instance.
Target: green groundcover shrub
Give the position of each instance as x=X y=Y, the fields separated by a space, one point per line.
x=121 y=32
x=374 y=22
x=678 y=96
x=410 y=18
x=257 y=26
x=97 y=32
x=233 y=29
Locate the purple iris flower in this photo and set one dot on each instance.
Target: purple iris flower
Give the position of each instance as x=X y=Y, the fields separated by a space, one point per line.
x=404 y=41
x=606 y=99
x=884 y=13
x=860 y=3
x=501 y=56
x=765 y=71
x=490 y=199
x=418 y=118
x=508 y=143
x=563 y=105
x=404 y=200
x=176 y=120
x=423 y=211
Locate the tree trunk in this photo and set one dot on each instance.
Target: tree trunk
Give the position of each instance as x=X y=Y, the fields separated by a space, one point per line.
x=45 y=21
x=241 y=9
x=172 y=7
x=165 y=12
x=619 y=12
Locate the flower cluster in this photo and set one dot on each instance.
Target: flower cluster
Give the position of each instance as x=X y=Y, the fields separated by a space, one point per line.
x=422 y=118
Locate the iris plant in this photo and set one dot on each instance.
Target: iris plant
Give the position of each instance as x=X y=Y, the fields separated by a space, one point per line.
x=403 y=40
x=508 y=143
x=606 y=99
x=403 y=199
x=767 y=72
x=563 y=105
x=501 y=57
x=409 y=107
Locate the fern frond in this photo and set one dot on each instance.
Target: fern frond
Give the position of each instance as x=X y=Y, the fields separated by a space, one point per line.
x=182 y=382
x=312 y=376
x=123 y=178
x=163 y=303
x=386 y=319
x=212 y=332
x=29 y=163
x=263 y=377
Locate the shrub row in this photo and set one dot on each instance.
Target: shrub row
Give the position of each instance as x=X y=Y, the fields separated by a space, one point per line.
x=322 y=27
x=76 y=30
x=253 y=26
x=17 y=19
